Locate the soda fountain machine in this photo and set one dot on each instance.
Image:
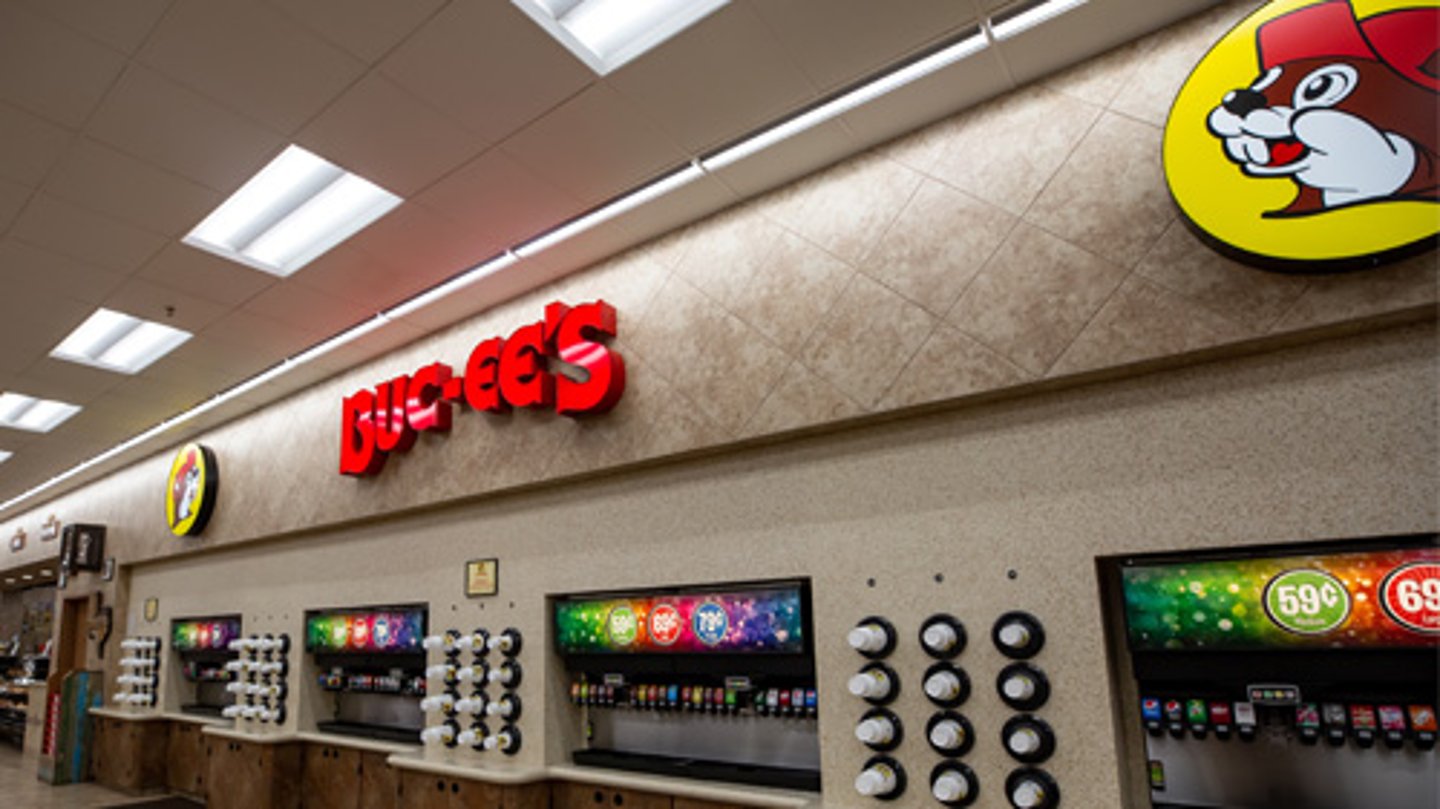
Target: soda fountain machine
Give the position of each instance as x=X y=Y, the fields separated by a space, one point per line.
x=1294 y=676
x=371 y=661
x=713 y=682
x=202 y=646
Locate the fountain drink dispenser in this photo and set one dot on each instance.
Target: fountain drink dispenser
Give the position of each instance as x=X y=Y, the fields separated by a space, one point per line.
x=1299 y=676
x=201 y=646
x=713 y=682
x=371 y=663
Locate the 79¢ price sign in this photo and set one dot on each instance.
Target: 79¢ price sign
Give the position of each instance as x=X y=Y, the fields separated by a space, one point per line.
x=1307 y=601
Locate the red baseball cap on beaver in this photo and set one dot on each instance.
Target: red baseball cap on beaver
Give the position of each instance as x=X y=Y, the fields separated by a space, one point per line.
x=1404 y=39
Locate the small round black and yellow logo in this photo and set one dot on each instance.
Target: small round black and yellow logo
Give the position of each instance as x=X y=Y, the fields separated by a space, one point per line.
x=1306 y=139
x=190 y=497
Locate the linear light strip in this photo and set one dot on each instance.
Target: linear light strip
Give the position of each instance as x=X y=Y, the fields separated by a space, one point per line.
x=886 y=83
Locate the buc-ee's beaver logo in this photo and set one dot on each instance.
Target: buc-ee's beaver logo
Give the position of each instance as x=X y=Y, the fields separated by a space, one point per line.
x=190 y=495
x=1306 y=139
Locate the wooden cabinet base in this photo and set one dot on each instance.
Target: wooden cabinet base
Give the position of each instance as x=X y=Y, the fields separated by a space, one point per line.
x=129 y=756
x=249 y=775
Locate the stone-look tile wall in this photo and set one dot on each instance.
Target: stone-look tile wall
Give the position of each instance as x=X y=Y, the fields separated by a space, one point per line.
x=1026 y=240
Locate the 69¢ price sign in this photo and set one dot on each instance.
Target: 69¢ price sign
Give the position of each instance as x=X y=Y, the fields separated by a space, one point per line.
x=1307 y=601
x=1410 y=595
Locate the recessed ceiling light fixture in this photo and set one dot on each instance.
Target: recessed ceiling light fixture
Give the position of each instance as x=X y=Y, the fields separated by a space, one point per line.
x=27 y=577
x=22 y=412
x=1027 y=15
x=116 y=341
x=292 y=212
x=5 y=456
x=605 y=34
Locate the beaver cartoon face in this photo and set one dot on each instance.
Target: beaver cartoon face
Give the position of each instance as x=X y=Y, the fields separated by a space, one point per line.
x=1336 y=114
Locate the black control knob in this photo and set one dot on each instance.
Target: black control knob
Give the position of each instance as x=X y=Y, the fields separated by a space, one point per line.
x=954 y=784
x=1028 y=739
x=950 y=734
x=946 y=685
x=1023 y=687
x=942 y=636
x=880 y=730
x=1032 y=788
x=873 y=637
x=1018 y=635
x=882 y=778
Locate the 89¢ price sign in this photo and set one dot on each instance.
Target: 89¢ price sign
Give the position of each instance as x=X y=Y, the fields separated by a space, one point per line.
x=1410 y=595
x=1307 y=601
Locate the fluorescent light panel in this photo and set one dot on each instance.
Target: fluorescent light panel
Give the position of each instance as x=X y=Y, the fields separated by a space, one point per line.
x=605 y=34
x=21 y=412
x=297 y=208
x=5 y=456
x=848 y=100
x=119 y=342
x=1028 y=15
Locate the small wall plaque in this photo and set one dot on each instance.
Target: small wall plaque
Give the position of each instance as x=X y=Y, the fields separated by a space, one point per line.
x=152 y=609
x=17 y=542
x=482 y=577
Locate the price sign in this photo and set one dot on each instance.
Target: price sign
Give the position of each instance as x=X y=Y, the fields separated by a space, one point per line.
x=1410 y=595
x=1307 y=601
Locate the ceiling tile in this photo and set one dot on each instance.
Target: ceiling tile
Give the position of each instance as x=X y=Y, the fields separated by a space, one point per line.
x=32 y=145
x=595 y=145
x=389 y=137
x=13 y=197
x=225 y=363
x=444 y=60
x=839 y=41
x=31 y=326
x=415 y=235
x=495 y=195
x=206 y=276
x=716 y=81
x=51 y=70
x=354 y=275
x=119 y=25
x=66 y=381
x=97 y=177
x=366 y=28
x=251 y=58
x=154 y=301
x=29 y=270
x=65 y=228
x=155 y=119
x=307 y=310
x=266 y=336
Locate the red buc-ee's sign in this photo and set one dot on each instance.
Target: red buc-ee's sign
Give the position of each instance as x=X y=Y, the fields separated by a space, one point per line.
x=500 y=374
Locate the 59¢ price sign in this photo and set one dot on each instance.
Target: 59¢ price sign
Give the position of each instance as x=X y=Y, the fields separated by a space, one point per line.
x=1307 y=601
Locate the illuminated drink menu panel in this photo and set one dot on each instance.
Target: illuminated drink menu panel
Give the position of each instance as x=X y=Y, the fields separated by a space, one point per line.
x=1375 y=599
x=742 y=619
x=203 y=634
x=375 y=630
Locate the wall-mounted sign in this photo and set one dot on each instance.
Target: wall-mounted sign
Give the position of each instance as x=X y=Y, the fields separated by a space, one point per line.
x=1306 y=139
x=1368 y=599
x=482 y=577
x=190 y=495
x=82 y=547
x=17 y=542
x=560 y=362
x=50 y=529
x=152 y=610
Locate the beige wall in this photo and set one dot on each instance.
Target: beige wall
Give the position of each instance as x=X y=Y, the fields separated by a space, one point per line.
x=1326 y=440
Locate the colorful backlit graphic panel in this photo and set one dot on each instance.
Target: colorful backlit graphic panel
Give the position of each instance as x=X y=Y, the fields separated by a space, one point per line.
x=761 y=620
x=201 y=634
x=370 y=631
x=1376 y=599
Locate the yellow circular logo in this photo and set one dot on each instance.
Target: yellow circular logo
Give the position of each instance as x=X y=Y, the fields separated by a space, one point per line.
x=1306 y=139
x=190 y=497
